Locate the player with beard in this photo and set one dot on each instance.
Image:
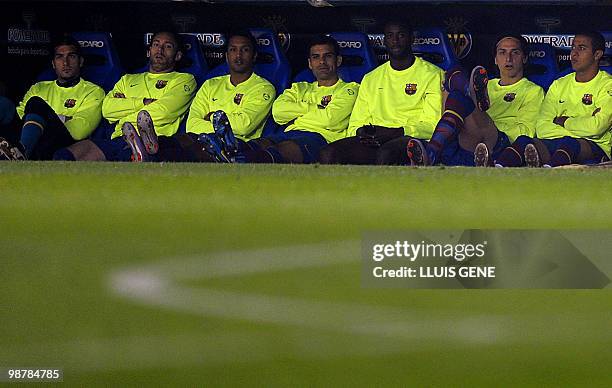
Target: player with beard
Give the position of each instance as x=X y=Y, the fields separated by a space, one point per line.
x=482 y=114
x=155 y=102
x=576 y=117
x=399 y=100
x=57 y=113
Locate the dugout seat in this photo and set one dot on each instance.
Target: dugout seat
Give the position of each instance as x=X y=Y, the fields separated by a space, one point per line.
x=542 y=66
x=604 y=64
x=193 y=61
x=102 y=65
x=358 y=58
x=433 y=45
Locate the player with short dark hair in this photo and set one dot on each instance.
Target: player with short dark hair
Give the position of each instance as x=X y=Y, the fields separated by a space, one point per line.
x=57 y=113
x=321 y=40
x=228 y=110
x=482 y=114
x=242 y=33
x=155 y=102
x=576 y=117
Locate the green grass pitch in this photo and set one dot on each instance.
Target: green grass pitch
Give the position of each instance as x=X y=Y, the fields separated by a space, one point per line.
x=223 y=275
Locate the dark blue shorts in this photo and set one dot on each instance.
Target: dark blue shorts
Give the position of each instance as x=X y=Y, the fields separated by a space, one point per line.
x=115 y=150
x=310 y=142
x=454 y=155
x=598 y=154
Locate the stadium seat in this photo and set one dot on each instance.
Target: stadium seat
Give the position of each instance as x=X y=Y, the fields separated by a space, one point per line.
x=358 y=58
x=102 y=65
x=193 y=61
x=542 y=67
x=433 y=45
x=606 y=61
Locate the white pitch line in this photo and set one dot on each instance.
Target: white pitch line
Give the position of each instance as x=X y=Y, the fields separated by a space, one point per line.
x=369 y=331
x=159 y=285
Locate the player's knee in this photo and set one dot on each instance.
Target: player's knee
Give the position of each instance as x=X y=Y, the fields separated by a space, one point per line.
x=459 y=103
x=36 y=105
x=64 y=154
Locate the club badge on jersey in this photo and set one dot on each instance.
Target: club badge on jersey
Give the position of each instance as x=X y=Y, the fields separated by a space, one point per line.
x=70 y=103
x=587 y=99
x=238 y=98
x=161 y=84
x=411 y=89
x=325 y=100
x=509 y=97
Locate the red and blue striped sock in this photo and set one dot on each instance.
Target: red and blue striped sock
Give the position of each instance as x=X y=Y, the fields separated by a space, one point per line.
x=458 y=106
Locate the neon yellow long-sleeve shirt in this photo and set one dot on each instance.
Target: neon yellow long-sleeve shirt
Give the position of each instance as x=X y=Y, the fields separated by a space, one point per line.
x=515 y=108
x=321 y=109
x=588 y=106
x=410 y=98
x=172 y=91
x=82 y=102
x=247 y=105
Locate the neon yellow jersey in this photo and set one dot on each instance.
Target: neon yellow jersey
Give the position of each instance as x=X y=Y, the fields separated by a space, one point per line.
x=172 y=91
x=515 y=108
x=247 y=105
x=410 y=98
x=588 y=106
x=82 y=102
x=321 y=109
